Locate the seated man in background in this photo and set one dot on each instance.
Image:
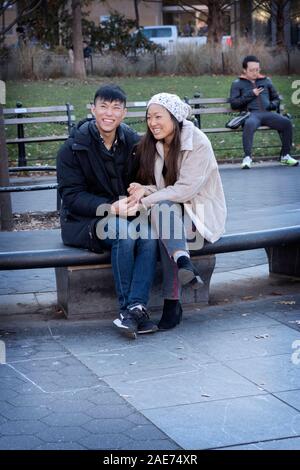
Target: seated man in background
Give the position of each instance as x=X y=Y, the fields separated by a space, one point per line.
x=256 y=93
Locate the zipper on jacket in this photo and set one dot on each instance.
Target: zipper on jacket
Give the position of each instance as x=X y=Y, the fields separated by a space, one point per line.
x=260 y=103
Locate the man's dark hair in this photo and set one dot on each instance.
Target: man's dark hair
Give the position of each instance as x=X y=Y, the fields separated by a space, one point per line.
x=249 y=58
x=110 y=93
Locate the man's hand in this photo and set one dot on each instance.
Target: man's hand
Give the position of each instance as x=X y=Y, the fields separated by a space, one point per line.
x=258 y=91
x=123 y=209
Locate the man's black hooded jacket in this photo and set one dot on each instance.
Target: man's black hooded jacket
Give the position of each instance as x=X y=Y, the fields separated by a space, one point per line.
x=88 y=177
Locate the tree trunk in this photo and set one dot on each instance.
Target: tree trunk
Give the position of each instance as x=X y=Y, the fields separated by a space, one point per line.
x=137 y=14
x=79 y=65
x=6 y=222
x=214 y=23
x=215 y=33
x=280 y=22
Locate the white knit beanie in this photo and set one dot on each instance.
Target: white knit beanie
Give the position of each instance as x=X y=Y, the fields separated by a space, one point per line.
x=173 y=104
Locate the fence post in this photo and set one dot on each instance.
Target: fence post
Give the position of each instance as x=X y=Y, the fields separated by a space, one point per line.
x=288 y=61
x=70 y=124
x=6 y=222
x=21 y=145
x=155 y=62
x=197 y=106
x=92 y=65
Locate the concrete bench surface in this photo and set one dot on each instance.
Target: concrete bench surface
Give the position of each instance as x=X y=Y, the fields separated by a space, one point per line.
x=44 y=248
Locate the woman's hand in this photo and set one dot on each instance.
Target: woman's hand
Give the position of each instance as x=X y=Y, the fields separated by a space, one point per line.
x=136 y=192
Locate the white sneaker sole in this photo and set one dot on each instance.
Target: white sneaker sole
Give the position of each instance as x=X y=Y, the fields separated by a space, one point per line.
x=152 y=330
x=124 y=330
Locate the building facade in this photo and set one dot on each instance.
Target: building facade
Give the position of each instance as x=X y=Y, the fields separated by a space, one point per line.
x=240 y=19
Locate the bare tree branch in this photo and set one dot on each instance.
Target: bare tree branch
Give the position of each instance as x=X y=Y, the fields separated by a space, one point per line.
x=24 y=12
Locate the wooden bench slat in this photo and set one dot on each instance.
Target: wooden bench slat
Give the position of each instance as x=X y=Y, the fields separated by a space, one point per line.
x=141 y=114
x=42 y=109
x=38 y=120
x=129 y=104
x=225 y=129
x=194 y=101
x=51 y=138
x=212 y=110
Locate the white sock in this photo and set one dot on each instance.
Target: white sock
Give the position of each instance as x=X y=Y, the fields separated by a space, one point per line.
x=179 y=253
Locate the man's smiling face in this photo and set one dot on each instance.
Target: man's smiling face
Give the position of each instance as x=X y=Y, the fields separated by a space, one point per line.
x=108 y=114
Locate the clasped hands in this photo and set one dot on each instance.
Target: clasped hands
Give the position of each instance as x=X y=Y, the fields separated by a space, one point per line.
x=130 y=205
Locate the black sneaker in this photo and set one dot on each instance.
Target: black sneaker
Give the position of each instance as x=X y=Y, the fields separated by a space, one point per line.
x=127 y=324
x=145 y=325
x=186 y=273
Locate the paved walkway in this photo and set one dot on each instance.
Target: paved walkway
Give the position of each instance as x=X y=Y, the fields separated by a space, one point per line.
x=228 y=377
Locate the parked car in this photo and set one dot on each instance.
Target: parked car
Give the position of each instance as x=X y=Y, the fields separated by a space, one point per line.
x=167 y=36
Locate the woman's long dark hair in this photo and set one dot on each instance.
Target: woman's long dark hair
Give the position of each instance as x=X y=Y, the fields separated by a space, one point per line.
x=146 y=151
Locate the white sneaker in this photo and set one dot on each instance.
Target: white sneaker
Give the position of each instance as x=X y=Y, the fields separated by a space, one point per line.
x=287 y=160
x=246 y=164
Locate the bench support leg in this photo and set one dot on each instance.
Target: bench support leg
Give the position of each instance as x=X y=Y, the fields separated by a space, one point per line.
x=284 y=260
x=86 y=291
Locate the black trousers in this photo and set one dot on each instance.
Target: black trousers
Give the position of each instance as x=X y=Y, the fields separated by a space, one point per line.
x=274 y=120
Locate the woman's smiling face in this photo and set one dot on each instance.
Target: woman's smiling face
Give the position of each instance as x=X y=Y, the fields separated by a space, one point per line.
x=160 y=123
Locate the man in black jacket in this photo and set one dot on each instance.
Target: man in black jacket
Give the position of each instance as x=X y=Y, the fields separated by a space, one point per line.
x=93 y=177
x=256 y=93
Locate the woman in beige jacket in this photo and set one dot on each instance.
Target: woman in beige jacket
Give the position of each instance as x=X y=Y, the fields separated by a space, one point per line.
x=177 y=177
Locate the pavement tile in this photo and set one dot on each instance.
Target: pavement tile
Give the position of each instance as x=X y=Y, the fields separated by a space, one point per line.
x=19 y=442
x=252 y=342
x=109 y=425
x=27 y=281
x=142 y=357
x=16 y=413
x=273 y=373
x=23 y=426
x=66 y=419
x=280 y=444
x=2 y=419
x=18 y=304
x=49 y=375
x=153 y=444
x=227 y=318
x=145 y=432
x=110 y=411
x=226 y=422
x=108 y=441
x=63 y=433
x=175 y=387
x=60 y=446
x=291 y=397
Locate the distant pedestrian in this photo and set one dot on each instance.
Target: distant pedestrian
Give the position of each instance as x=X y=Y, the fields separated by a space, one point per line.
x=256 y=93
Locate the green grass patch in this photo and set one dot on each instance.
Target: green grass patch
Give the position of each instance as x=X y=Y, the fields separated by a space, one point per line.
x=61 y=91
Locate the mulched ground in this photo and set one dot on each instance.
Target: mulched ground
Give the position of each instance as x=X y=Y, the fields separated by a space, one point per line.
x=36 y=221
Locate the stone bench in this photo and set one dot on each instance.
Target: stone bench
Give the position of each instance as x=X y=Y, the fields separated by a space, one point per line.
x=85 y=285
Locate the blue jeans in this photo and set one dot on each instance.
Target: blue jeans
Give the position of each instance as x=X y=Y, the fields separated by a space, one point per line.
x=170 y=229
x=133 y=259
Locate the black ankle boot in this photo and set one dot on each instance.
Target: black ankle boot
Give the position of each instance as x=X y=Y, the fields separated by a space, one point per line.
x=172 y=314
x=187 y=274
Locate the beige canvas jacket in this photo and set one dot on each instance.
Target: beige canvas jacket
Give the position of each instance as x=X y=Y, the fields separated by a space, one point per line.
x=198 y=186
